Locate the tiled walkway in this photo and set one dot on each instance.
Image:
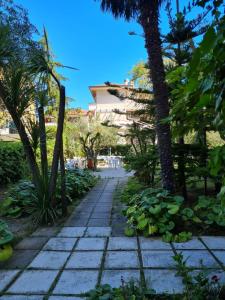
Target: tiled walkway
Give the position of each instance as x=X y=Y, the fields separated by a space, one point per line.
x=62 y=263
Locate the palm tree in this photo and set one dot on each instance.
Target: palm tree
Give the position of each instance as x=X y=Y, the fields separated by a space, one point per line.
x=146 y=12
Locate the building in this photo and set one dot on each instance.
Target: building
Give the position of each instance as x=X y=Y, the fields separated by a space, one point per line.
x=105 y=103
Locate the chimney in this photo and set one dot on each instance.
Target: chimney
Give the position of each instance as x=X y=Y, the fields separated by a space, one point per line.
x=126 y=82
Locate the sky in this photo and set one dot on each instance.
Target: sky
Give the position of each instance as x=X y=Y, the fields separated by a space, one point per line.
x=82 y=36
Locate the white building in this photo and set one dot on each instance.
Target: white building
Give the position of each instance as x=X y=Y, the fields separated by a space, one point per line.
x=105 y=103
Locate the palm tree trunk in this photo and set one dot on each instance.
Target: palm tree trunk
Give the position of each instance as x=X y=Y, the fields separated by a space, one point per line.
x=149 y=19
x=58 y=144
x=43 y=144
x=63 y=183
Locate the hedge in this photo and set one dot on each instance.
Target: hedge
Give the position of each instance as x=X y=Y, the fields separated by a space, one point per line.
x=12 y=162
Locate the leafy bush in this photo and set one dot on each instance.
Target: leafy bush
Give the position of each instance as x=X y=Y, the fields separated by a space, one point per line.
x=156 y=211
x=12 y=162
x=23 y=199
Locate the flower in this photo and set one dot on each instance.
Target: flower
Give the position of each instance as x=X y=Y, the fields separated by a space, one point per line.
x=215 y=278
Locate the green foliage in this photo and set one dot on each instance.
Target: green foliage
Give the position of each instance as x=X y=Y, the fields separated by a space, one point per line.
x=5 y=235
x=132 y=187
x=210 y=211
x=156 y=211
x=198 y=285
x=130 y=290
x=23 y=199
x=12 y=162
x=144 y=164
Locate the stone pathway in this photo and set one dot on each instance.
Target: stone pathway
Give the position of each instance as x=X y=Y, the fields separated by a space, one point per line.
x=62 y=263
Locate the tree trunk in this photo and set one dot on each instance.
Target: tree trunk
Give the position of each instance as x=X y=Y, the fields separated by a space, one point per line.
x=63 y=183
x=149 y=19
x=58 y=144
x=43 y=144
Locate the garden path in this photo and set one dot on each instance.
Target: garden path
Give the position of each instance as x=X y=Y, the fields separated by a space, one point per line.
x=61 y=263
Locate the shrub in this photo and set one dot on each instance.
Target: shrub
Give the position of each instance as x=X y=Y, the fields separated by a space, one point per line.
x=12 y=162
x=23 y=199
x=156 y=211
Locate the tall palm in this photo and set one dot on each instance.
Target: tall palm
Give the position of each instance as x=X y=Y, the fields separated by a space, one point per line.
x=146 y=12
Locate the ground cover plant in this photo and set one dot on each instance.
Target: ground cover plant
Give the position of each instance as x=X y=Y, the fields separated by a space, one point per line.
x=154 y=211
x=21 y=199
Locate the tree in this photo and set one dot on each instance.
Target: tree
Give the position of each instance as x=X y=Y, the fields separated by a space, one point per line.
x=147 y=14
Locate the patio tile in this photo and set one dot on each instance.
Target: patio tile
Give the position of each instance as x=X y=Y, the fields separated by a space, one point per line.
x=33 y=281
x=153 y=244
x=98 y=232
x=192 y=244
x=49 y=260
x=122 y=243
x=46 y=231
x=20 y=259
x=199 y=259
x=91 y=244
x=113 y=277
x=220 y=255
x=163 y=281
x=85 y=260
x=98 y=222
x=72 y=232
x=6 y=276
x=214 y=242
x=63 y=244
x=76 y=282
x=64 y=298
x=32 y=243
x=121 y=260
x=158 y=259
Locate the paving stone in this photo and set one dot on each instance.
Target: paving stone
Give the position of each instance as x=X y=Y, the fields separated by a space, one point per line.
x=63 y=244
x=153 y=244
x=91 y=244
x=64 y=298
x=76 y=223
x=121 y=260
x=46 y=231
x=21 y=297
x=158 y=259
x=72 y=232
x=98 y=222
x=49 y=260
x=220 y=255
x=32 y=243
x=113 y=277
x=99 y=215
x=76 y=282
x=98 y=231
x=199 y=259
x=192 y=244
x=214 y=242
x=122 y=243
x=20 y=259
x=6 y=276
x=163 y=281
x=33 y=281
x=85 y=260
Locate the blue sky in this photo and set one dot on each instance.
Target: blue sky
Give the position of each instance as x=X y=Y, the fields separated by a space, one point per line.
x=82 y=36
